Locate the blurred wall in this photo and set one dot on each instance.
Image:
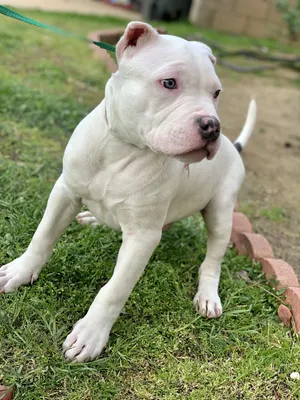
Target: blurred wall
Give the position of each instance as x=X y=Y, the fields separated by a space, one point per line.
x=257 y=18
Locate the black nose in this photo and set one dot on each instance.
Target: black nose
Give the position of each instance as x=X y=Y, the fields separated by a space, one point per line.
x=209 y=128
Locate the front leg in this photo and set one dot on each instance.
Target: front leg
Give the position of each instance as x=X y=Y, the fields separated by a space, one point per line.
x=91 y=333
x=218 y=219
x=61 y=208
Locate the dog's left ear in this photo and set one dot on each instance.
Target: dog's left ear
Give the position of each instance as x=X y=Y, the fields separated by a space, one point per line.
x=212 y=58
x=136 y=35
x=203 y=46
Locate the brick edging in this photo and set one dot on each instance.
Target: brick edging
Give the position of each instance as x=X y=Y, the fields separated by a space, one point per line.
x=6 y=393
x=277 y=272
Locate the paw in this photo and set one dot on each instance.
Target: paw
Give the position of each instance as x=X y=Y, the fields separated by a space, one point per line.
x=21 y=271
x=87 y=218
x=208 y=304
x=87 y=340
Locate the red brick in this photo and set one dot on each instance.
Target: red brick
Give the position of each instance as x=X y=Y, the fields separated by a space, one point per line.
x=281 y=271
x=240 y=223
x=292 y=295
x=254 y=245
x=8 y=393
x=285 y=315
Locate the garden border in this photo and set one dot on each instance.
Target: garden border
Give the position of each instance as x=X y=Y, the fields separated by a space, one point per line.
x=277 y=272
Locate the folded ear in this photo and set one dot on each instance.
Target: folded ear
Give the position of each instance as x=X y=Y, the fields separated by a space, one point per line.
x=204 y=46
x=136 y=35
x=212 y=57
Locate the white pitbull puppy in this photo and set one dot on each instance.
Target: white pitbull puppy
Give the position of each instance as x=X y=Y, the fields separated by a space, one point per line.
x=151 y=153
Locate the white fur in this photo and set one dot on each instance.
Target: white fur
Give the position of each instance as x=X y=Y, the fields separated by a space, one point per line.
x=126 y=161
x=248 y=126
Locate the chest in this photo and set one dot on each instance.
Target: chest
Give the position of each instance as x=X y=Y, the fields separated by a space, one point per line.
x=123 y=177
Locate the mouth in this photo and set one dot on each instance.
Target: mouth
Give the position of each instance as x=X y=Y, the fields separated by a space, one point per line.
x=194 y=156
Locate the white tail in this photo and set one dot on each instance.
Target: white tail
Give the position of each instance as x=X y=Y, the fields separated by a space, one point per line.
x=248 y=127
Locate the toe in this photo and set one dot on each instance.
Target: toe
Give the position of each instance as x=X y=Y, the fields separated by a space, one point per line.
x=87 y=218
x=3 y=280
x=33 y=278
x=208 y=306
x=210 y=309
x=218 y=311
x=84 y=214
x=10 y=286
x=203 y=309
x=83 y=356
x=74 y=351
x=69 y=342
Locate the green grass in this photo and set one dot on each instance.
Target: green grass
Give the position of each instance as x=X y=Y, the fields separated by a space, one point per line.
x=275 y=214
x=159 y=347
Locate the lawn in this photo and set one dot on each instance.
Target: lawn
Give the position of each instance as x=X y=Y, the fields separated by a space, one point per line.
x=159 y=347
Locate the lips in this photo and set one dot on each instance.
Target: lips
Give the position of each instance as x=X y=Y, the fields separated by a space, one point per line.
x=194 y=156
x=212 y=149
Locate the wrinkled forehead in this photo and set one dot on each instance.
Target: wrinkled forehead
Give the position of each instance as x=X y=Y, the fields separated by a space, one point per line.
x=169 y=52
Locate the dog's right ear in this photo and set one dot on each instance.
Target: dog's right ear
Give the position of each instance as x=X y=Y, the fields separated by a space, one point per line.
x=136 y=35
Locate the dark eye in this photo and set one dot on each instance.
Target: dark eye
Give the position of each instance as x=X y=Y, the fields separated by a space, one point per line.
x=216 y=94
x=169 y=83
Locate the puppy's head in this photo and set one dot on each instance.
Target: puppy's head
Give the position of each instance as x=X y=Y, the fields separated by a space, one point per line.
x=164 y=95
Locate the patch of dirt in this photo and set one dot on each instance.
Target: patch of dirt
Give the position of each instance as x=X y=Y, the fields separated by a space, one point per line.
x=271 y=158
